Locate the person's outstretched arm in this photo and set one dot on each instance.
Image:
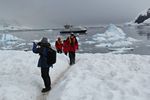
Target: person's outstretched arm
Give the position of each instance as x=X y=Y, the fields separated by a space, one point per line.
x=35 y=49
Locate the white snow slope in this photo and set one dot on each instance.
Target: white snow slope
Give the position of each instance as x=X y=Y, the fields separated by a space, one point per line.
x=93 y=77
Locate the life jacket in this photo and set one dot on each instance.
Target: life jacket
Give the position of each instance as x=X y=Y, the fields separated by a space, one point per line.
x=72 y=44
x=72 y=41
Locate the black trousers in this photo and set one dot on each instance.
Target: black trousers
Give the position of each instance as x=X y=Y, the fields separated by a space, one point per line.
x=72 y=57
x=46 y=78
x=59 y=51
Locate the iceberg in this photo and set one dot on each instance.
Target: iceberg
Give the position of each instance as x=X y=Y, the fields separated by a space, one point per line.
x=113 y=37
x=7 y=41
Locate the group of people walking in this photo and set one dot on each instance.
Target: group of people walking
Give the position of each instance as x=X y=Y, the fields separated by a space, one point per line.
x=68 y=46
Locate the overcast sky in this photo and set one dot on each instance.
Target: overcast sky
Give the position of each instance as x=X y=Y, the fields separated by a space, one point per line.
x=46 y=13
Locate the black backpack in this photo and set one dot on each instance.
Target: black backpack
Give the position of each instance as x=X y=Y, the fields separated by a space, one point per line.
x=51 y=56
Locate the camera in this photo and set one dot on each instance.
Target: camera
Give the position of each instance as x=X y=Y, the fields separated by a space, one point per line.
x=39 y=43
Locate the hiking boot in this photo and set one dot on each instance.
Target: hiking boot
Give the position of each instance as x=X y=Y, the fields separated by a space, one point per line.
x=46 y=89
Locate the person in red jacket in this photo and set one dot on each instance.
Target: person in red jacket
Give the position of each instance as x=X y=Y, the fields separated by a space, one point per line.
x=72 y=47
x=59 y=45
x=65 y=47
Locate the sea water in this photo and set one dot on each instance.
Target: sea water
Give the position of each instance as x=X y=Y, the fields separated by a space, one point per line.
x=87 y=43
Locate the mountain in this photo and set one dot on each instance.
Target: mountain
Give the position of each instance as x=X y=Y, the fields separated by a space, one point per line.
x=11 y=25
x=143 y=16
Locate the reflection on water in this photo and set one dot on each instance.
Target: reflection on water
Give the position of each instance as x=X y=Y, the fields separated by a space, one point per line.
x=143 y=31
x=86 y=42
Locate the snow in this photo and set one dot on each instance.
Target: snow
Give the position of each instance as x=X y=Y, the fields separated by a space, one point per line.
x=143 y=13
x=147 y=21
x=93 y=77
x=20 y=78
x=90 y=42
x=113 y=37
x=120 y=50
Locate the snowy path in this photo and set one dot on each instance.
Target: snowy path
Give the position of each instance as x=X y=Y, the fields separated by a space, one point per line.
x=57 y=80
x=43 y=96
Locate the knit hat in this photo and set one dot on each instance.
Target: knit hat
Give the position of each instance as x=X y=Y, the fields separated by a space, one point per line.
x=44 y=40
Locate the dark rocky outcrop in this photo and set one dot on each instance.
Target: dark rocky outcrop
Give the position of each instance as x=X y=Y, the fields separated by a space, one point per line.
x=141 y=18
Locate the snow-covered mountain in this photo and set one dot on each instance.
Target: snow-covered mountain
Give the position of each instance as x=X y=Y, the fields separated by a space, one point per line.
x=143 y=17
x=11 y=25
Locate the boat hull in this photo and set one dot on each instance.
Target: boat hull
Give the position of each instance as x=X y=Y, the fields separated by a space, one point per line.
x=73 y=31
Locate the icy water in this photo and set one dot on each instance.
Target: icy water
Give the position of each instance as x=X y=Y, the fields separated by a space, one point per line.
x=141 y=33
x=86 y=42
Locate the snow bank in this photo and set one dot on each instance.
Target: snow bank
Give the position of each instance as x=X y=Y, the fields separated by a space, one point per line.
x=93 y=77
x=20 y=78
x=105 y=77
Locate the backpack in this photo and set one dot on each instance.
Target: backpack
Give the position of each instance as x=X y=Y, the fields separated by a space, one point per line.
x=51 y=56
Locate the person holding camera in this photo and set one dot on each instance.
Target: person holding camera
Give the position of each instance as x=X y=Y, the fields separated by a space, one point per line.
x=41 y=48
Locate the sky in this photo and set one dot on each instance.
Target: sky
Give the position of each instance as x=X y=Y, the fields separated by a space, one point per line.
x=47 y=13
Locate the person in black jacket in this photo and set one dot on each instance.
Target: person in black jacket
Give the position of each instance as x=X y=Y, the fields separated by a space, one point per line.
x=41 y=48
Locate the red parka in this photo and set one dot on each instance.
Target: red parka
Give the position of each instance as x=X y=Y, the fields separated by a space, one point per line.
x=72 y=43
x=65 y=46
x=58 y=45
